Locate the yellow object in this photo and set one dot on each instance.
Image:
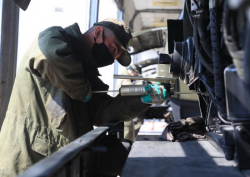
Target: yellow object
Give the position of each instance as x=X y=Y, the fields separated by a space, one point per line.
x=159 y=24
x=165 y=2
x=185 y=88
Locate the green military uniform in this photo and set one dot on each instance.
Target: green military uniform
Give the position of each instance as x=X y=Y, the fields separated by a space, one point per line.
x=46 y=110
x=131 y=127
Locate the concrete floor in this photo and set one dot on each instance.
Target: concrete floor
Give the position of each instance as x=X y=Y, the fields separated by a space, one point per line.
x=177 y=159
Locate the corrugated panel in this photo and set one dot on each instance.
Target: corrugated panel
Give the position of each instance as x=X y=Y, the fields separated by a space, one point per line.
x=158 y=4
x=146 y=41
x=146 y=14
x=146 y=20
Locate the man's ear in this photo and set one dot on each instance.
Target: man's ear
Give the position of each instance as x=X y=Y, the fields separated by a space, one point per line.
x=98 y=34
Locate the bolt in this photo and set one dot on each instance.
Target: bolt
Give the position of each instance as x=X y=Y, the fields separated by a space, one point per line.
x=240 y=129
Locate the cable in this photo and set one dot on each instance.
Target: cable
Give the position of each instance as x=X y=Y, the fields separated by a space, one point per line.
x=204 y=36
x=197 y=49
x=223 y=120
x=218 y=60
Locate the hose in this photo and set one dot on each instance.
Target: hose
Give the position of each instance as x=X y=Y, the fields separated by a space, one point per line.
x=202 y=28
x=247 y=57
x=197 y=49
x=208 y=85
x=223 y=120
x=204 y=35
x=218 y=61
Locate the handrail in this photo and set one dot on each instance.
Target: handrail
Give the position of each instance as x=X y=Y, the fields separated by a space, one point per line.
x=52 y=164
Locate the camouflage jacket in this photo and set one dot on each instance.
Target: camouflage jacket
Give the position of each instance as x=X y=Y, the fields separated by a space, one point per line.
x=46 y=110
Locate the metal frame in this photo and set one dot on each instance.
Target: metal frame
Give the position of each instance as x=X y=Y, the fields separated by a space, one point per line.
x=9 y=41
x=93 y=13
x=116 y=64
x=100 y=152
x=75 y=159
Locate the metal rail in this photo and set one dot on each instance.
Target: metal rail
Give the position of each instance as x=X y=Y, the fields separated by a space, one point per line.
x=8 y=47
x=71 y=159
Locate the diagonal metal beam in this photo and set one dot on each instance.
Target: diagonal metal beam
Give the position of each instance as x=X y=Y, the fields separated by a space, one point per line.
x=93 y=13
x=8 y=57
x=55 y=163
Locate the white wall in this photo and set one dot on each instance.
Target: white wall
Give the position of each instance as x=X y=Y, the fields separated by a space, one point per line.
x=42 y=14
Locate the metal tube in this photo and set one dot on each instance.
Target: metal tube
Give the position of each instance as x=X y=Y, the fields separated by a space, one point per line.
x=105 y=91
x=178 y=93
x=133 y=90
x=154 y=79
x=139 y=90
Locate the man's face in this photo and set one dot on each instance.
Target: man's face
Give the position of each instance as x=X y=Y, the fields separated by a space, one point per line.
x=113 y=46
x=110 y=41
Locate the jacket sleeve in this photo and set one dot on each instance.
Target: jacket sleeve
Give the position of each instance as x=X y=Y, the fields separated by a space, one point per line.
x=58 y=63
x=104 y=108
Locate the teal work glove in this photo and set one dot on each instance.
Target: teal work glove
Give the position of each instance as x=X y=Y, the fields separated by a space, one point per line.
x=88 y=97
x=155 y=94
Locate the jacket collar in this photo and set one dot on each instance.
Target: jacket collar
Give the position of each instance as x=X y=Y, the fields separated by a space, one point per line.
x=82 y=50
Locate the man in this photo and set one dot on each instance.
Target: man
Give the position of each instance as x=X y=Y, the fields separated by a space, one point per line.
x=52 y=102
x=131 y=127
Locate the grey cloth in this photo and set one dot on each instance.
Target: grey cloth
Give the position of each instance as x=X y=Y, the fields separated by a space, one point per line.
x=185 y=129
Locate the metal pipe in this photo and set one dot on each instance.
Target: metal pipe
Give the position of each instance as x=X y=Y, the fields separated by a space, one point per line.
x=138 y=90
x=105 y=91
x=173 y=93
x=154 y=79
x=202 y=93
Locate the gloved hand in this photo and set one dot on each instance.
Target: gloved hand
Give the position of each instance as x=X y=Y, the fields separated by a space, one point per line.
x=88 y=97
x=155 y=94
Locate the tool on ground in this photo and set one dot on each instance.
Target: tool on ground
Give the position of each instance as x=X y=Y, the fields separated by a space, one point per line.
x=138 y=90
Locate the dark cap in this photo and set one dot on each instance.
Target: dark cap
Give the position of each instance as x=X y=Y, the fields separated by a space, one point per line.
x=123 y=36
